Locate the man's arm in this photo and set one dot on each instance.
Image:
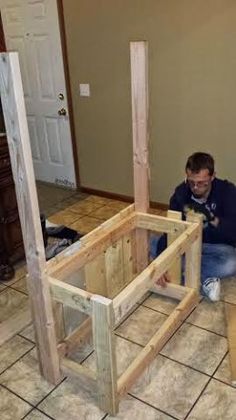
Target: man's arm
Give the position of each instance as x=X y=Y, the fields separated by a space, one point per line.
x=225 y=226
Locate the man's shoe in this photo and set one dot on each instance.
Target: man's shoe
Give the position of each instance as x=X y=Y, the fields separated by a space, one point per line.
x=211 y=288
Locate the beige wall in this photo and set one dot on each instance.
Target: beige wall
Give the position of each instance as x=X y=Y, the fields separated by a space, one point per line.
x=192 y=83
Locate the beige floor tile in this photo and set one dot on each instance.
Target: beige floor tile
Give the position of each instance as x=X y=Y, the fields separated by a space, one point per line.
x=20 y=285
x=161 y=303
x=196 y=348
x=99 y=200
x=12 y=407
x=36 y=415
x=12 y=350
x=218 y=402
x=117 y=204
x=141 y=325
x=11 y=301
x=125 y=354
x=84 y=207
x=85 y=224
x=70 y=402
x=64 y=217
x=2 y=287
x=209 y=316
x=228 y=290
x=158 y=212
x=105 y=212
x=223 y=372
x=25 y=380
x=28 y=333
x=130 y=408
x=53 y=194
x=169 y=386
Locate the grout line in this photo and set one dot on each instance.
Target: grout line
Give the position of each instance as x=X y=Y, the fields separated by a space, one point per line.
x=205 y=329
x=224 y=383
x=201 y=393
x=152 y=406
x=17 y=360
x=16 y=395
x=129 y=340
x=50 y=392
x=220 y=363
x=20 y=291
x=185 y=365
x=31 y=411
x=26 y=338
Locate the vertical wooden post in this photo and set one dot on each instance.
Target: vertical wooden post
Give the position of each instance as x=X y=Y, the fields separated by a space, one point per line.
x=230 y=312
x=139 y=92
x=193 y=257
x=22 y=168
x=175 y=269
x=103 y=339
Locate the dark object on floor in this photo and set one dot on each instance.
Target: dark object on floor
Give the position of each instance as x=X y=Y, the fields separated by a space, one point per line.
x=63 y=232
x=44 y=231
x=7 y=272
x=62 y=237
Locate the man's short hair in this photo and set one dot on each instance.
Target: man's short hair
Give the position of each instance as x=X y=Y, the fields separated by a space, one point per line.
x=198 y=161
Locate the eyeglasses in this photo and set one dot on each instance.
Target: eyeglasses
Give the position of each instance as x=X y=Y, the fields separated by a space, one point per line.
x=198 y=184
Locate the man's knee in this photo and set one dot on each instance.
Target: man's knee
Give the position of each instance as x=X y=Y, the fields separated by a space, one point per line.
x=229 y=266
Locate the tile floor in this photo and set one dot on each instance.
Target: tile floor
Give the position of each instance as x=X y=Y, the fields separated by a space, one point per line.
x=189 y=379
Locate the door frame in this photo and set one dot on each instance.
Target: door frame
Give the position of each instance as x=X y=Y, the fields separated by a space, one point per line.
x=68 y=88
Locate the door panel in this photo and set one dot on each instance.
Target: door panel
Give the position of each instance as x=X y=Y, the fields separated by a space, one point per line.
x=31 y=27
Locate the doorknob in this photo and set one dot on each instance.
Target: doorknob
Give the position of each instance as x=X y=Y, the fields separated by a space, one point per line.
x=61 y=96
x=62 y=111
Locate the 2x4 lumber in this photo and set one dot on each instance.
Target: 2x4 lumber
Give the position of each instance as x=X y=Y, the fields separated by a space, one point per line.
x=160 y=223
x=172 y=290
x=114 y=269
x=230 y=311
x=104 y=345
x=128 y=257
x=85 y=376
x=142 y=283
x=12 y=98
x=175 y=269
x=76 y=339
x=193 y=256
x=157 y=342
x=95 y=275
x=62 y=267
x=71 y=296
x=139 y=98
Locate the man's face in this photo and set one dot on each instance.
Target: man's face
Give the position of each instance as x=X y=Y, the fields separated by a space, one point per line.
x=200 y=182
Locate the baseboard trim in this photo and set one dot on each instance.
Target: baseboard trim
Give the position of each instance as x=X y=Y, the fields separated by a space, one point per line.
x=121 y=197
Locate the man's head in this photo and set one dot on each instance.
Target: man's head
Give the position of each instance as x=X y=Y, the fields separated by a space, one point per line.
x=200 y=173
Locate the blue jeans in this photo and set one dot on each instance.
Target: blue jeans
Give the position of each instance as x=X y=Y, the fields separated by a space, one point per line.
x=218 y=260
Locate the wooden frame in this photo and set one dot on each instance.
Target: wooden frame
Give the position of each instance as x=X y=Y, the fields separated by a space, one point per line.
x=114 y=256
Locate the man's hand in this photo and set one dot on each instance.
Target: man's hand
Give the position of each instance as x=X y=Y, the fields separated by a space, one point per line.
x=215 y=221
x=165 y=278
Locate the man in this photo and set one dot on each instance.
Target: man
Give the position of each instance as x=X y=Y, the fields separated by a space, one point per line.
x=202 y=192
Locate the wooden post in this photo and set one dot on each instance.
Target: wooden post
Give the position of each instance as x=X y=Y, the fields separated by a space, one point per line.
x=193 y=256
x=22 y=167
x=139 y=92
x=230 y=311
x=104 y=345
x=175 y=269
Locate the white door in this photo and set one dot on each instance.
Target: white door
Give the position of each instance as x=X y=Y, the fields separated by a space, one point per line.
x=31 y=27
